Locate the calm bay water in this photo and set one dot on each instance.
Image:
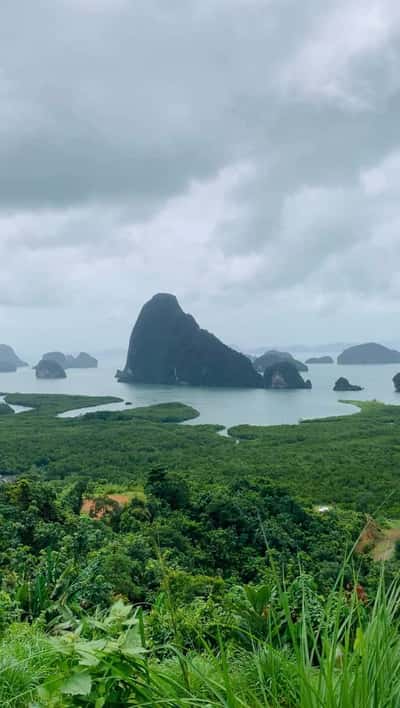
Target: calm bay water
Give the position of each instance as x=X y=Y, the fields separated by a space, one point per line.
x=224 y=406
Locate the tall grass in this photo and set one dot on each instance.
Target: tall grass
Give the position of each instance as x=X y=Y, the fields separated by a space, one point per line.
x=350 y=659
x=27 y=660
x=337 y=652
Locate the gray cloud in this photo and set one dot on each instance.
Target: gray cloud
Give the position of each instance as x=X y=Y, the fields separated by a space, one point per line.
x=244 y=154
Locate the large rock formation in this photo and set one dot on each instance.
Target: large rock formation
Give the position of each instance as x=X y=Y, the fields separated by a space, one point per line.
x=370 y=353
x=167 y=346
x=396 y=381
x=67 y=361
x=49 y=369
x=320 y=360
x=343 y=384
x=273 y=357
x=284 y=375
x=9 y=361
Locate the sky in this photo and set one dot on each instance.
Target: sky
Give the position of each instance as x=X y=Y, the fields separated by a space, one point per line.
x=242 y=154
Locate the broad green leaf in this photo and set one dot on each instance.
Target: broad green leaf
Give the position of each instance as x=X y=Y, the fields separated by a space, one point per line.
x=78 y=684
x=87 y=651
x=132 y=643
x=120 y=611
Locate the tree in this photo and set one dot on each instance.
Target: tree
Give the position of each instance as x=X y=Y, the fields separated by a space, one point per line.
x=169 y=487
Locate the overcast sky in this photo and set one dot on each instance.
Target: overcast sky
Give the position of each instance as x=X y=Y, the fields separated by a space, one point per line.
x=242 y=154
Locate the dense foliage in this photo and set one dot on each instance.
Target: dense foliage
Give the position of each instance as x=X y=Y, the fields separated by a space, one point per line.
x=351 y=461
x=143 y=559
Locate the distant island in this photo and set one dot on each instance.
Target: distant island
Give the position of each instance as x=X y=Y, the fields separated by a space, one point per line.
x=370 y=353
x=343 y=384
x=396 y=381
x=9 y=361
x=320 y=360
x=284 y=375
x=49 y=369
x=272 y=357
x=167 y=346
x=67 y=361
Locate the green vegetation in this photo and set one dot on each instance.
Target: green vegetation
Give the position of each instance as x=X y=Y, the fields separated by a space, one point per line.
x=148 y=562
x=44 y=404
x=350 y=461
x=161 y=413
x=271 y=645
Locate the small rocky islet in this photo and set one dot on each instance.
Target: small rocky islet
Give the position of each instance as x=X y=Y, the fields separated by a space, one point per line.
x=53 y=365
x=82 y=361
x=49 y=369
x=343 y=384
x=284 y=375
x=320 y=360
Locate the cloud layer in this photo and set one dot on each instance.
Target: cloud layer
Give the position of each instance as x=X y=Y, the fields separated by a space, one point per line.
x=244 y=155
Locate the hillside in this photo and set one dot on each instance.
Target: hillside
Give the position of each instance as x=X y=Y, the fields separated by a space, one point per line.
x=123 y=510
x=115 y=511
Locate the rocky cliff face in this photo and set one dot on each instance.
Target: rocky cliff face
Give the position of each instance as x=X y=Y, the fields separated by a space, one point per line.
x=273 y=357
x=370 y=353
x=48 y=369
x=167 y=346
x=284 y=375
x=9 y=361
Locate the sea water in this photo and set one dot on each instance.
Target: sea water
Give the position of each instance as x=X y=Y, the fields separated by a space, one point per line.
x=219 y=405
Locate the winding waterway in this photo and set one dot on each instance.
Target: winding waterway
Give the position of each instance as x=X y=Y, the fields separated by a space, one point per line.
x=224 y=406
